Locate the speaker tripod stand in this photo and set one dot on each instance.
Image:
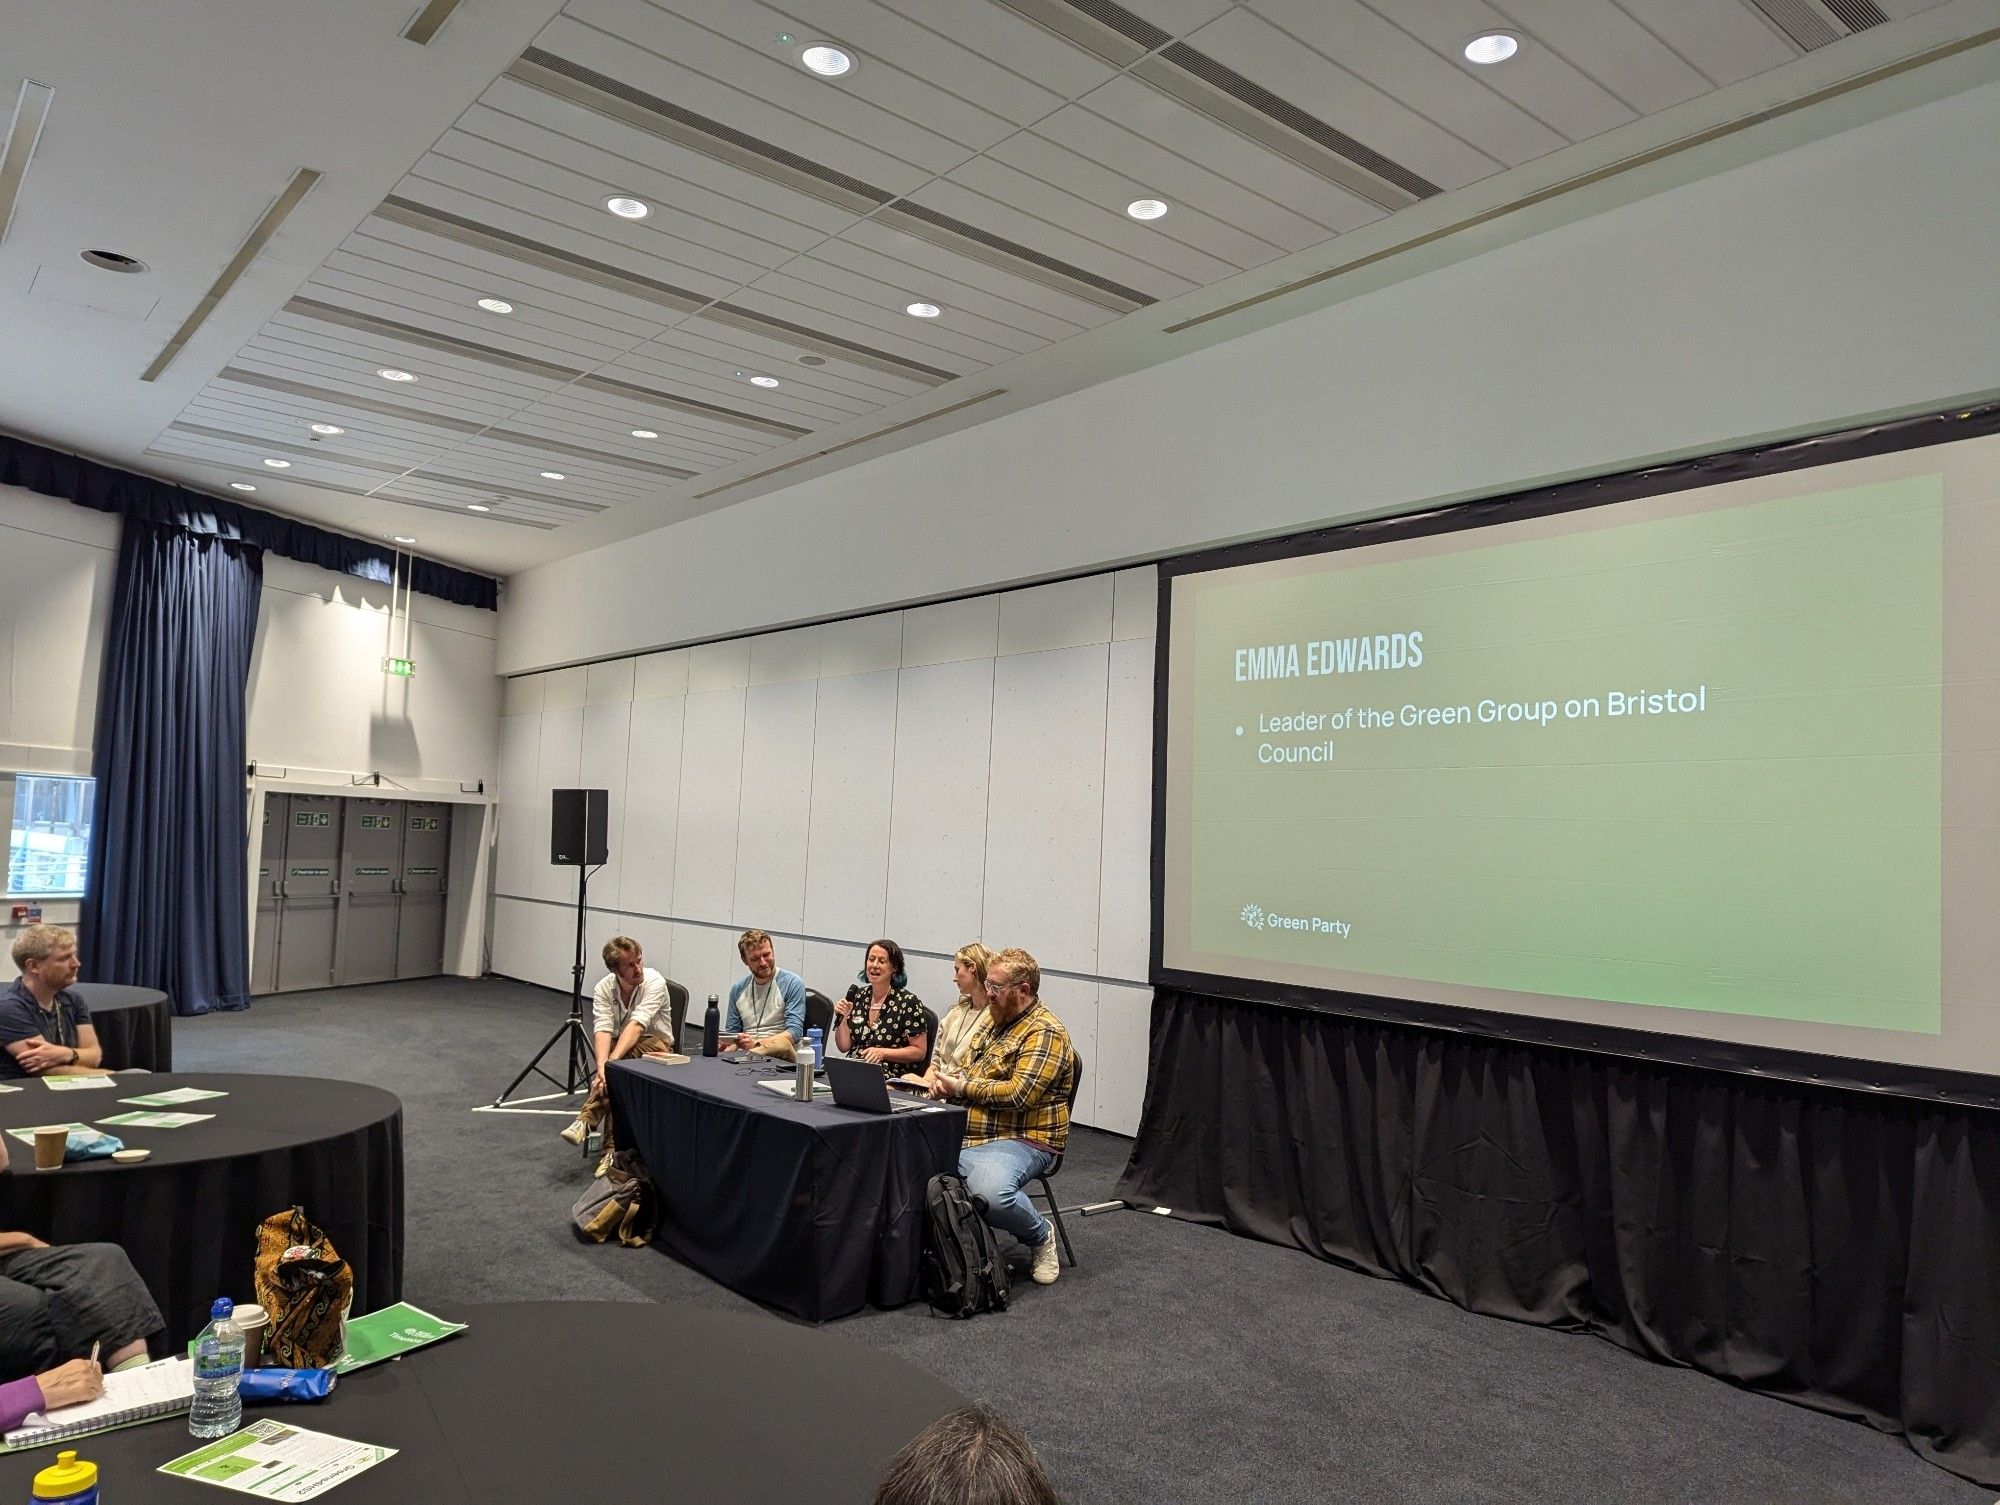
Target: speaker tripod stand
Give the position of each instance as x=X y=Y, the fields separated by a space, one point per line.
x=582 y=1053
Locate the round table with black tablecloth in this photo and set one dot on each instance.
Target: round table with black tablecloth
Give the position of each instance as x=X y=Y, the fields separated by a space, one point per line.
x=558 y=1402
x=188 y=1216
x=134 y=1025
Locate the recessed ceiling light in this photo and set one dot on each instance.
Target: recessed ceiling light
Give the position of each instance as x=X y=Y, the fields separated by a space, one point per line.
x=390 y=373
x=496 y=305
x=241 y=486
x=554 y=475
x=279 y=464
x=626 y=208
x=645 y=434
x=113 y=261
x=1492 y=47
x=826 y=59
x=326 y=428
x=763 y=381
x=398 y=538
x=922 y=310
x=477 y=507
x=1146 y=208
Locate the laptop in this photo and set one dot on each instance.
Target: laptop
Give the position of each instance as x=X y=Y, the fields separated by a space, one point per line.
x=863 y=1087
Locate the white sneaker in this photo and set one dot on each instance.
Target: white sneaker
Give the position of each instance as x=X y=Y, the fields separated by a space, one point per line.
x=1046 y=1265
x=577 y=1132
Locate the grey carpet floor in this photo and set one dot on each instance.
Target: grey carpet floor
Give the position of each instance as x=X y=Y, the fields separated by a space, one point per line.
x=1176 y=1364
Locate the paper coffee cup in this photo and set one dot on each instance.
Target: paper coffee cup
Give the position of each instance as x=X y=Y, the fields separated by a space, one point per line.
x=49 y=1147
x=250 y=1318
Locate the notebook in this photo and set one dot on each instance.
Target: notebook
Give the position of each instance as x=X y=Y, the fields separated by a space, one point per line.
x=165 y=1388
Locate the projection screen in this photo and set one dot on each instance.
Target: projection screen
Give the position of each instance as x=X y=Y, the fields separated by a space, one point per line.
x=1711 y=771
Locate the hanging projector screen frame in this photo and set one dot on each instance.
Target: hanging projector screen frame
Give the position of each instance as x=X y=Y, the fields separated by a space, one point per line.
x=1873 y=1075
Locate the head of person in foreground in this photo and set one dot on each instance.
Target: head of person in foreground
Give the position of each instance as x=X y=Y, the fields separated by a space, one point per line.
x=968 y=1457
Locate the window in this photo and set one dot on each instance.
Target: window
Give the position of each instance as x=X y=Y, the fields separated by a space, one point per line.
x=49 y=849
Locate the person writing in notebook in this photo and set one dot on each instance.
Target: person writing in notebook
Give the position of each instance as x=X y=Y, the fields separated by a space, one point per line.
x=59 y=1307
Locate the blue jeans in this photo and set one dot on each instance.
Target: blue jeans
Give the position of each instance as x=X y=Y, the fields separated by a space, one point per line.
x=997 y=1170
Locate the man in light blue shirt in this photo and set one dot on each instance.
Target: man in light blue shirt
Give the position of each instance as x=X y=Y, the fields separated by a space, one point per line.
x=767 y=1009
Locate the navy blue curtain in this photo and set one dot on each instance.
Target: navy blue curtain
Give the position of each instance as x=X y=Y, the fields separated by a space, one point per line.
x=104 y=488
x=165 y=899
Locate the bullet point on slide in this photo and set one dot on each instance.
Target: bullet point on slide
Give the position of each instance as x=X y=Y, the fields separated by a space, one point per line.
x=1239 y=731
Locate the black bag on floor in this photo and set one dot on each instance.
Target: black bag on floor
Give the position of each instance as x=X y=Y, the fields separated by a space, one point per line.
x=620 y=1203
x=962 y=1269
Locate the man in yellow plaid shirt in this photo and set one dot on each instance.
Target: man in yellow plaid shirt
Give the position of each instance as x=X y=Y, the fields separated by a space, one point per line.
x=1016 y=1093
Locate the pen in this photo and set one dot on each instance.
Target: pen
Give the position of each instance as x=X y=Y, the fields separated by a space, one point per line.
x=93 y=1350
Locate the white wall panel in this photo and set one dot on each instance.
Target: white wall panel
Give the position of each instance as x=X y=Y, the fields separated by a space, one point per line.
x=535 y=942
x=1118 y=1068
x=847 y=848
x=775 y=805
x=560 y=763
x=1075 y=1003
x=951 y=631
x=1045 y=806
x=705 y=961
x=930 y=980
x=652 y=804
x=1135 y=604
x=937 y=828
x=830 y=967
x=1124 y=906
x=607 y=727
x=607 y=682
x=861 y=645
x=1068 y=614
x=565 y=689
x=520 y=768
x=778 y=658
x=658 y=674
x=711 y=787
x=524 y=696
x=719 y=666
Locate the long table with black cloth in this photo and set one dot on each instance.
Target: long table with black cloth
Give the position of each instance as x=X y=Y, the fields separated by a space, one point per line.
x=188 y=1215
x=812 y=1208
x=562 y=1401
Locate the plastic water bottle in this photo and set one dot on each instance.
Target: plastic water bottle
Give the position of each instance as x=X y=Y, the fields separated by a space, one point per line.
x=802 y=1079
x=70 y=1480
x=218 y=1368
x=711 y=1025
x=817 y=1040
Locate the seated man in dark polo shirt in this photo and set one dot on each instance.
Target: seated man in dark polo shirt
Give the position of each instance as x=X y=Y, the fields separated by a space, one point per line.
x=45 y=1028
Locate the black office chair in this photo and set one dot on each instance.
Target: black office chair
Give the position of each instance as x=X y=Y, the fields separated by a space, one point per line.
x=1048 y=1192
x=930 y=1038
x=677 y=1010
x=819 y=1014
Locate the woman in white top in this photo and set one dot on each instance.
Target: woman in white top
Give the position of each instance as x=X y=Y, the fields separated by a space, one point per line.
x=968 y=970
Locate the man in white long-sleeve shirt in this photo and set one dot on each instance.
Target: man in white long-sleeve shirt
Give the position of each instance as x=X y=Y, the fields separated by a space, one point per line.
x=631 y=1016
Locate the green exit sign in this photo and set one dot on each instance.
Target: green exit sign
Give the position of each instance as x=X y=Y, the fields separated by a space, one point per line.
x=402 y=668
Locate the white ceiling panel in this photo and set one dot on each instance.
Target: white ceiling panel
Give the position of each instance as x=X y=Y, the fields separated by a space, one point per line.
x=1096 y=235
x=524 y=332
x=1037 y=300
x=1726 y=39
x=1159 y=140
x=960 y=340
x=727 y=349
x=1632 y=63
x=737 y=86
x=1098 y=164
x=794 y=400
x=1435 y=86
x=1540 y=79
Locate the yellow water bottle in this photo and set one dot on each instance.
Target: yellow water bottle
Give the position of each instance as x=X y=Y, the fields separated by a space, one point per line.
x=70 y=1480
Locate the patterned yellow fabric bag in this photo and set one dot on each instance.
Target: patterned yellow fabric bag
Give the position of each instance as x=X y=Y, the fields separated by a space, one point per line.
x=305 y=1287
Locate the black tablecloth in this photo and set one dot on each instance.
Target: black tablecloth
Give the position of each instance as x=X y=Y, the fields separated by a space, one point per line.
x=134 y=1025
x=188 y=1217
x=569 y=1401
x=811 y=1207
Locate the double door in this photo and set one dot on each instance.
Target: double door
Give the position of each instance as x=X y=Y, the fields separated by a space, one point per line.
x=350 y=890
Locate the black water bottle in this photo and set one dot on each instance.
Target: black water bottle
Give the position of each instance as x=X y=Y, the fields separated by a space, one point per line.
x=711 y=1026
